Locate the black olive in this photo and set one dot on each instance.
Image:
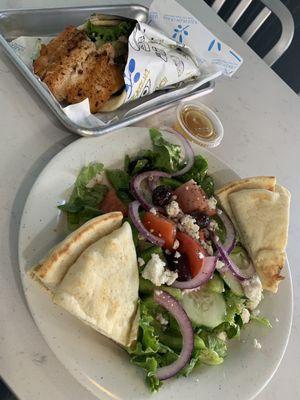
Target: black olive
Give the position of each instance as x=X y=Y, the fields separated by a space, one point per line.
x=201 y=218
x=162 y=195
x=179 y=265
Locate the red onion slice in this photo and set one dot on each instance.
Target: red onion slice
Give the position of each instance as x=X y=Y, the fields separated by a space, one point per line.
x=203 y=276
x=175 y=309
x=137 y=191
x=230 y=240
x=240 y=274
x=189 y=156
x=133 y=210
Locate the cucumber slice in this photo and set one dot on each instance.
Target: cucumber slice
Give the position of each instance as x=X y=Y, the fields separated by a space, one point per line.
x=239 y=256
x=216 y=284
x=232 y=282
x=205 y=307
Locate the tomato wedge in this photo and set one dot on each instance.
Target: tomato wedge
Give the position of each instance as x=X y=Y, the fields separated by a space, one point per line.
x=191 y=249
x=161 y=227
x=111 y=202
x=191 y=197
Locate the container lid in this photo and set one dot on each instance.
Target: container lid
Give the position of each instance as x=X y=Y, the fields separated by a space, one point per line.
x=200 y=124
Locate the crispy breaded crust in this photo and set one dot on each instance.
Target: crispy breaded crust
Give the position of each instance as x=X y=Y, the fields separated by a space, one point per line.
x=73 y=70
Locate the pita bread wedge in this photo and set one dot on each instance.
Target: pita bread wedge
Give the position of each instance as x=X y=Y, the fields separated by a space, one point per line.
x=262 y=218
x=257 y=182
x=51 y=270
x=101 y=287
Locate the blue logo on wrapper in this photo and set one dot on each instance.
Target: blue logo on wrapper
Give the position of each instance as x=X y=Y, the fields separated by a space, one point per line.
x=180 y=32
x=132 y=78
x=212 y=45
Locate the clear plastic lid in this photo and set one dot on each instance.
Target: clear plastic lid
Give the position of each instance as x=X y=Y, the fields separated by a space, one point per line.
x=199 y=123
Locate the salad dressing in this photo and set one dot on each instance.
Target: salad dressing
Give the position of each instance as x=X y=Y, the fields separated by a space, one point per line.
x=197 y=123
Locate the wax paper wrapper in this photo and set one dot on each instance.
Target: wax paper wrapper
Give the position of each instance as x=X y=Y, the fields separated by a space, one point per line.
x=173 y=50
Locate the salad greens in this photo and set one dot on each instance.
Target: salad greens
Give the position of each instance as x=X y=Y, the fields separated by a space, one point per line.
x=108 y=33
x=84 y=200
x=159 y=340
x=199 y=174
x=159 y=345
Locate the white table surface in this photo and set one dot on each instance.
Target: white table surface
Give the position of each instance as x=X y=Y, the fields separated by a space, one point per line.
x=261 y=117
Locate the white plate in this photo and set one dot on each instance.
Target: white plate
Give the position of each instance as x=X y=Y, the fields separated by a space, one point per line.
x=99 y=364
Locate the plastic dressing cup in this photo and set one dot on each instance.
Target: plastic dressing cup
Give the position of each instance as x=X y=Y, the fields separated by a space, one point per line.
x=199 y=123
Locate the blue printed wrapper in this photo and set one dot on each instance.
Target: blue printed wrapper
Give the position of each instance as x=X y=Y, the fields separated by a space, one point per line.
x=177 y=23
x=167 y=51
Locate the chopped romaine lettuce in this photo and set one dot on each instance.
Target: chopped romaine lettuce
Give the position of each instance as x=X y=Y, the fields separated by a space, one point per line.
x=159 y=345
x=86 y=196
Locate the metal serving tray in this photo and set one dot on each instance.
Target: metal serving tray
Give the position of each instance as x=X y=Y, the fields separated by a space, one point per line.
x=51 y=21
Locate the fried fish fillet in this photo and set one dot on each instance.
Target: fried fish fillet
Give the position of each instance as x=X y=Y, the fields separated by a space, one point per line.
x=73 y=69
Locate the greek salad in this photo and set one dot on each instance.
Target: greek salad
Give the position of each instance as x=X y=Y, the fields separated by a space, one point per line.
x=198 y=287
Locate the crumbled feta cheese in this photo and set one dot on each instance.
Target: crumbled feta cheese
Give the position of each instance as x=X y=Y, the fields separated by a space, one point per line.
x=156 y=273
x=207 y=246
x=213 y=225
x=253 y=290
x=153 y=210
x=212 y=203
x=245 y=315
x=276 y=319
x=176 y=244
x=161 y=319
x=188 y=224
x=200 y=255
x=255 y=313
x=256 y=344
x=173 y=210
x=141 y=262
x=94 y=181
x=219 y=265
x=177 y=254
x=167 y=252
x=222 y=336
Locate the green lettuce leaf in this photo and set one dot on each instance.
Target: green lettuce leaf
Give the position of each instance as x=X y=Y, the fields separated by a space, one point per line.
x=166 y=155
x=118 y=178
x=158 y=345
x=234 y=308
x=140 y=166
x=108 y=33
x=84 y=201
x=198 y=173
x=208 y=185
x=262 y=320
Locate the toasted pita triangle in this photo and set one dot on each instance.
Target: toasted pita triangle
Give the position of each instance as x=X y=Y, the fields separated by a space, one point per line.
x=262 y=219
x=257 y=182
x=101 y=287
x=50 y=271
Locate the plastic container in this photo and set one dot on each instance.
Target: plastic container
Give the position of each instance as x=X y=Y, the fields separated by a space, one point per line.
x=199 y=123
